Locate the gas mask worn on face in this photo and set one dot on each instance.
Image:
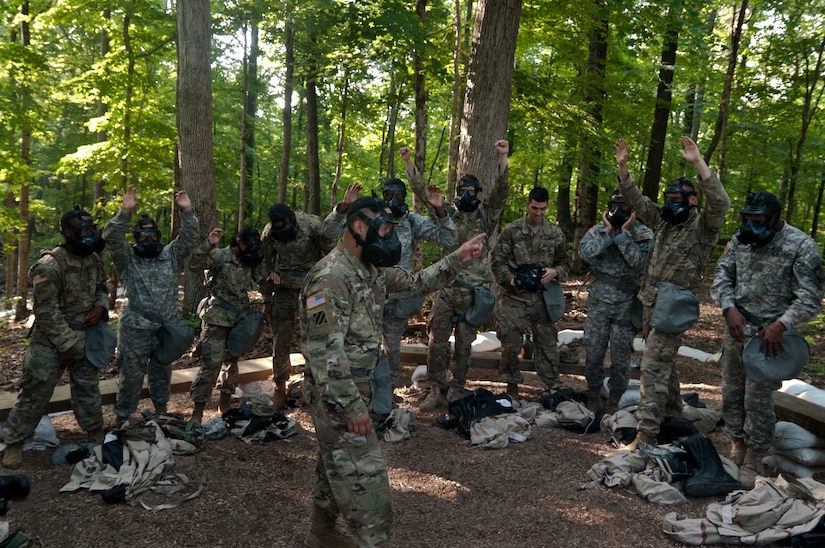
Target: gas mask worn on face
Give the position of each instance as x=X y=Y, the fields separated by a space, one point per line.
x=285 y=233
x=467 y=202
x=253 y=255
x=618 y=218
x=754 y=234
x=675 y=211
x=397 y=206
x=148 y=248
x=381 y=251
x=88 y=241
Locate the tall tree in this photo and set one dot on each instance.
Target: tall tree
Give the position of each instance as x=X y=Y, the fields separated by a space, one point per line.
x=194 y=99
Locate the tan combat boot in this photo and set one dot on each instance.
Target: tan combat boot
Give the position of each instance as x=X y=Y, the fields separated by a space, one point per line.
x=612 y=404
x=197 y=412
x=323 y=534
x=279 y=397
x=752 y=467
x=97 y=436
x=640 y=437
x=594 y=400
x=225 y=403
x=738 y=449
x=13 y=456
x=512 y=390
x=455 y=393
x=434 y=399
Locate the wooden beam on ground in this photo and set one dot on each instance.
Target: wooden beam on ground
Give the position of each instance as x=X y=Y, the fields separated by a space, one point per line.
x=806 y=414
x=248 y=371
x=490 y=360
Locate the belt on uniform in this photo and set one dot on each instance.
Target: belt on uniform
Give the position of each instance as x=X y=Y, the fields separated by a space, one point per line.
x=296 y=273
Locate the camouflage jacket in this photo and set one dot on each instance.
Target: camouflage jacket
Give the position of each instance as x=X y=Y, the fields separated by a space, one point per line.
x=486 y=218
x=518 y=245
x=617 y=259
x=678 y=253
x=292 y=260
x=151 y=285
x=341 y=308
x=782 y=280
x=411 y=229
x=65 y=288
x=229 y=281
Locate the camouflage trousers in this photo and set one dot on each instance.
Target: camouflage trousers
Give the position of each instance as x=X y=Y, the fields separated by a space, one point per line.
x=608 y=324
x=747 y=406
x=135 y=358
x=212 y=365
x=350 y=473
x=660 y=392
x=448 y=303
x=513 y=317
x=388 y=369
x=41 y=372
x=284 y=321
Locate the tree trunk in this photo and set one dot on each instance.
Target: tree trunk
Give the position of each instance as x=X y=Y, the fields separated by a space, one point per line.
x=459 y=85
x=420 y=89
x=289 y=71
x=661 y=113
x=587 y=190
x=102 y=109
x=342 y=131
x=489 y=84
x=564 y=176
x=817 y=209
x=21 y=309
x=251 y=87
x=194 y=107
x=313 y=161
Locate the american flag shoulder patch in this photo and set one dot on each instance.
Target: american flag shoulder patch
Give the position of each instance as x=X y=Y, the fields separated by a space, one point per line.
x=316 y=300
x=40 y=278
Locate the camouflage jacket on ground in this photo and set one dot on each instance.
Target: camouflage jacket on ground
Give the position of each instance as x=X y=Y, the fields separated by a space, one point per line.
x=617 y=259
x=151 y=285
x=468 y=224
x=229 y=281
x=679 y=252
x=65 y=288
x=341 y=308
x=518 y=245
x=292 y=260
x=411 y=229
x=782 y=280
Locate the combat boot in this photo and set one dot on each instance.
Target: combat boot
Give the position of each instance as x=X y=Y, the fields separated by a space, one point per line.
x=434 y=399
x=612 y=404
x=160 y=409
x=197 y=413
x=13 y=456
x=708 y=476
x=641 y=437
x=225 y=403
x=455 y=393
x=323 y=534
x=97 y=435
x=512 y=390
x=594 y=400
x=279 y=397
x=738 y=449
x=752 y=467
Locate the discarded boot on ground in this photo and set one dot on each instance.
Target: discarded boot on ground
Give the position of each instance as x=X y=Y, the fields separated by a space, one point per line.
x=709 y=478
x=13 y=456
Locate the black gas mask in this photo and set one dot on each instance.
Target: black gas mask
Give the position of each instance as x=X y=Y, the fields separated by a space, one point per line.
x=755 y=233
x=677 y=210
x=528 y=277
x=85 y=237
x=281 y=214
x=252 y=255
x=394 y=195
x=617 y=217
x=381 y=251
x=466 y=200
x=284 y=233
x=147 y=239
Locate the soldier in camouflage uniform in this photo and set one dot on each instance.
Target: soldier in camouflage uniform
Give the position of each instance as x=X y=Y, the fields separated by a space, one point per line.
x=682 y=241
x=769 y=279
x=341 y=307
x=149 y=272
x=615 y=249
x=471 y=217
x=411 y=229
x=232 y=270
x=292 y=243
x=529 y=240
x=69 y=289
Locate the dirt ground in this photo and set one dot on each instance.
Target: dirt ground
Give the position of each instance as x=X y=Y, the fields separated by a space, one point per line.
x=444 y=491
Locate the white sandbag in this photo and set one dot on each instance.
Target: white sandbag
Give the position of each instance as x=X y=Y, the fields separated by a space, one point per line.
x=783 y=464
x=255 y=388
x=789 y=435
x=795 y=387
x=419 y=376
x=806 y=456
x=486 y=342
x=566 y=336
x=630 y=397
x=814 y=395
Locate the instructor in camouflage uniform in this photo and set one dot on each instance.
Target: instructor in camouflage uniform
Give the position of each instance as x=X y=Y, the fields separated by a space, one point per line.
x=69 y=290
x=411 y=229
x=531 y=240
x=615 y=249
x=471 y=217
x=683 y=239
x=231 y=274
x=149 y=272
x=342 y=303
x=292 y=243
x=768 y=280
